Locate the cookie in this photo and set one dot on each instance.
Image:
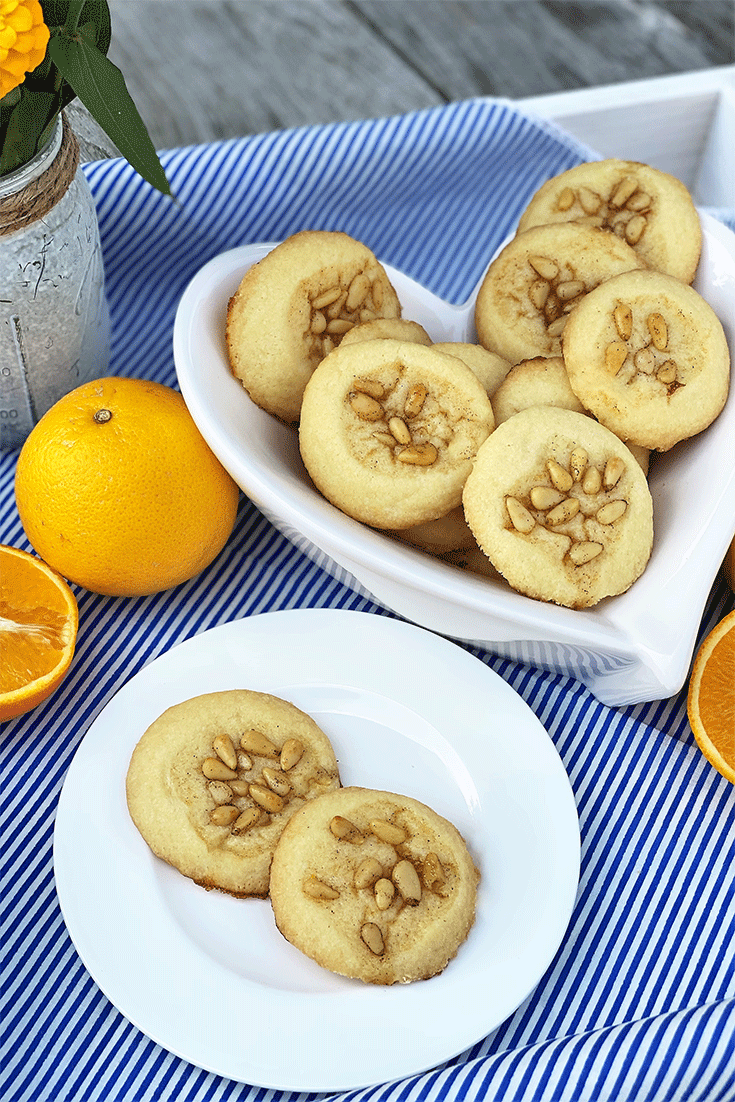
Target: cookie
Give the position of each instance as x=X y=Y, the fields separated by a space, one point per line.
x=534 y=282
x=647 y=355
x=449 y=533
x=490 y=368
x=294 y=306
x=649 y=209
x=389 y=431
x=542 y=381
x=396 y=329
x=214 y=780
x=374 y=885
x=560 y=507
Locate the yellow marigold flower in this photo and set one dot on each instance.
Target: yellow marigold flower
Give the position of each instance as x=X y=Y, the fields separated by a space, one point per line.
x=23 y=40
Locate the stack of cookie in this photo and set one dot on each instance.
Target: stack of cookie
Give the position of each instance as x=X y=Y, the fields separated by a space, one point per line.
x=524 y=456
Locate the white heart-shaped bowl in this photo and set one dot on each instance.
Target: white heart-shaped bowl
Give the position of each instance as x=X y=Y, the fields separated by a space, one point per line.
x=629 y=648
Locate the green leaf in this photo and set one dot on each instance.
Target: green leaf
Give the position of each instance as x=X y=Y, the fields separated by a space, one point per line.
x=26 y=123
x=101 y=87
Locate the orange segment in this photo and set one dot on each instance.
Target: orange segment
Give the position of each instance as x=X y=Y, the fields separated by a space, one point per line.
x=38 y=631
x=711 y=698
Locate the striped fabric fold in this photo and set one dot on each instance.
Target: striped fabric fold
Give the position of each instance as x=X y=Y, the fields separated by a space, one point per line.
x=639 y=1003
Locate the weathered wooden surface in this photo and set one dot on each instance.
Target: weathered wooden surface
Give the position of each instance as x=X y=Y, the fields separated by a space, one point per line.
x=200 y=70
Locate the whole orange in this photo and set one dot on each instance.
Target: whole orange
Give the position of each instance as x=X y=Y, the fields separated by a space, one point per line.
x=119 y=492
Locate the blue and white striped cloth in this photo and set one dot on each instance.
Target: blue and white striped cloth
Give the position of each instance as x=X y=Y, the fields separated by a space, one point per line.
x=639 y=1003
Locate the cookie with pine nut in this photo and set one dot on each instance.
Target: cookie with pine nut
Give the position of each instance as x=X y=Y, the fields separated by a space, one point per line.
x=561 y=507
x=536 y=280
x=213 y=781
x=389 y=431
x=374 y=885
x=294 y=306
x=490 y=368
x=649 y=209
x=448 y=533
x=648 y=357
x=394 y=329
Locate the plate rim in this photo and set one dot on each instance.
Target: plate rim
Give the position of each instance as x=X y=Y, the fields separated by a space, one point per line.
x=277 y=621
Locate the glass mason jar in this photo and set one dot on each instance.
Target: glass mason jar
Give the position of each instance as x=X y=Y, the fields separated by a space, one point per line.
x=54 y=322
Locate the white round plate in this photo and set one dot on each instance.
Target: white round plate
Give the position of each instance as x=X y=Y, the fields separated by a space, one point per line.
x=209 y=976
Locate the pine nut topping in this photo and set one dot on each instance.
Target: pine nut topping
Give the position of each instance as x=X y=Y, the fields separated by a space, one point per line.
x=623 y=191
x=367 y=872
x=399 y=430
x=318 y=323
x=667 y=372
x=317 y=889
x=560 y=477
x=634 y=229
x=433 y=873
x=658 y=330
x=519 y=515
x=335 y=309
x=291 y=753
x=577 y=463
x=240 y=787
x=556 y=328
x=546 y=268
x=538 y=292
x=639 y=201
x=419 y=455
x=224 y=749
x=326 y=298
x=582 y=553
x=345 y=830
x=566 y=199
x=406 y=879
x=339 y=326
x=563 y=512
x=616 y=354
x=589 y=200
x=276 y=781
x=388 y=832
x=215 y=770
x=269 y=801
x=415 y=400
x=372 y=937
x=358 y=291
x=592 y=481
x=373 y=387
x=255 y=742
x=384 y=892
x=612 y=511
x=569 y=289
x=220 y=791
x=244 y=761
x=378 y=293
x=613 y=471
x=246 y=820
x=623 y=318
x=224 y=815
x=543 y=497
x=366 y=408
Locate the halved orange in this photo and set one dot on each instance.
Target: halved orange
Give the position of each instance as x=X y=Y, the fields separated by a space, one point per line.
x=38 y=631
x=711 y=697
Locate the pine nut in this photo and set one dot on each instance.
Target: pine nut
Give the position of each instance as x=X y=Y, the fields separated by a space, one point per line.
x=358 y=291
x=345 y=830
x=255 y=742
x=216 y=770
x=373 y=938
x=276 y=781
x=326 y=298
x=335 y=309
x=560 y=477
x=406 y=879
x=419 y=455
x=569 y=289
x=623 y=318
x=634 y=229
x=378 y=292
x=318 y=323
x=592 y=481
x=240 y=787
x=291 y=753
x=339 y=326
x=433 y=873
x=246 y=820
x=667 y=372
x=385 y=438
x=220 y=791
x=327 y=346
x=543 y=497
x=557 y=327
x=616 y=354
x=388 y=832
x=612 y=511
x=577 y=463
x=582 y=553
x=384 y=891
x=563 y=512
x=639 y=201
x=415 y=400
x=589 y=200
x=366 y=408
x=269 y=801
x=566 y=199
x=623 y=191
x=367 y=872
x=373 y=387
x=538 y=292
x=546 y=268
x=225 y=750
x=244 y=761
x=317 y=889
x=519 y=515
x=613 y=471
x=659 y=332
x=224 y=815
x=399 y=430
